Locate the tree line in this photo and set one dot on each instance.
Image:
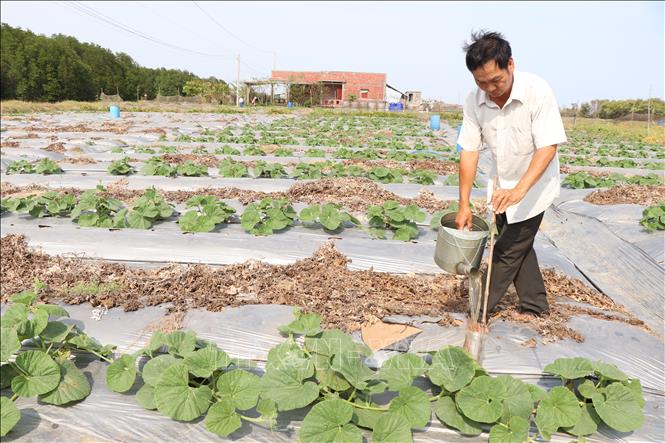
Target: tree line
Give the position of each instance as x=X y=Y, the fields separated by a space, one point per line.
x=614 y=109
x=40 y=68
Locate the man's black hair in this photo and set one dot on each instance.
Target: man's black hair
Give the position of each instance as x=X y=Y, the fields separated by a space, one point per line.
x=486 y=46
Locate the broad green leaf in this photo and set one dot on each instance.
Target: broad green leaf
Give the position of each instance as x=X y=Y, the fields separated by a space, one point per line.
x=222 y=418
x=448 y=414
x=328 y=422
x=241 y=387
x=352 y=367
x=414 y=405
x=366 y=418
x=9 y=343
x=157 y=340
x=517 y=399
x=481 y=401
x=121 y=374
x=516 y=431
x=570 y=368
x=400 y=370
x=635 y=385
x=56 y=331
x=73 y=386
x=289 y=356
x=327 y=376
x=587 y=424
x=54 y=310
x=154 y=367
x=310 y=213
x=205 y=361
x=34 y=325
x=85 y=342
x=38 y=374
x=267 y=408
x=176 y=399
x=392 y=428
x=332 y=342
x=537 y=393
x=146 y=397
x=286 y=388
x=25 y=298
x=181 y=342
x=619 y=408
x=587 y=389
x=7 y=373
x=306 y=324
x=452 y=368
x=559 y=409
x=609 y=371
x=138 y=221
x=9 y=415
x=14 y=315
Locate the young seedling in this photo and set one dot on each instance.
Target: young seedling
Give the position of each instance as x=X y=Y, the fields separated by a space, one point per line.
x=208 y=212
x=268 y=170
x=328 y=215
x=232 y=168
x=191 y=169
x=120 y=167
x=266 y=216
x=399 y=219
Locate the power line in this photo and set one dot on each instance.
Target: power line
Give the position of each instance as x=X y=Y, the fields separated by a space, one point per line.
x=223 y=28
x=87 y=10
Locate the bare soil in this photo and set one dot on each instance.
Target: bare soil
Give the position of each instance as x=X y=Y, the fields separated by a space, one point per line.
x=628 y=194
x=321 y=283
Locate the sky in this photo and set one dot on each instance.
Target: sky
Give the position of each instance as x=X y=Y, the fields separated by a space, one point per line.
x=584 y=50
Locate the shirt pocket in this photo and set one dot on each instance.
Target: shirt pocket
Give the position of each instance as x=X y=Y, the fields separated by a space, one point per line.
x=521 y=140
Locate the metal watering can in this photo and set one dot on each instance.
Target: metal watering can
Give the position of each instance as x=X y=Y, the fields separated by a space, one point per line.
x=460 y=252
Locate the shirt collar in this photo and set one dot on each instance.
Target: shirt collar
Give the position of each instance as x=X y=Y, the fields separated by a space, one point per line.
x=517 y=92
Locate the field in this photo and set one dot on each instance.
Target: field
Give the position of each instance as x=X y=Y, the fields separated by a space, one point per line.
x=222 y=222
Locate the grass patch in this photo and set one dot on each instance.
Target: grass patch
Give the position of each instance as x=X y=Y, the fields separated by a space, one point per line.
x=94 y=288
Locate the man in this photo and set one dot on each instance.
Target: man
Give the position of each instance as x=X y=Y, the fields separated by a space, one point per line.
x=515 y=114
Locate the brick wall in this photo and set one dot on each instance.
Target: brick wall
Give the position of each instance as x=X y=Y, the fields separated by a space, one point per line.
x=353 y=81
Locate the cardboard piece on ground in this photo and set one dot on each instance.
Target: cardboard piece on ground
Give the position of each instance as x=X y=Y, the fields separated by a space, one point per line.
x=380 y=335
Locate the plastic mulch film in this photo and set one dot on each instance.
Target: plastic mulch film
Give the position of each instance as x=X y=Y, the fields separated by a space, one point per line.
x=623 y=220
x=250 y=331
x=619 y=269
x=230 y=244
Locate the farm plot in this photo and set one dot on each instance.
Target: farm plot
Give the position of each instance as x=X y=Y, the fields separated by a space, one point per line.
x=160 y=223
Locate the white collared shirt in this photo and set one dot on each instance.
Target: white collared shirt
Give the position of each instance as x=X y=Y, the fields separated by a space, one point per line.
x=529 y=120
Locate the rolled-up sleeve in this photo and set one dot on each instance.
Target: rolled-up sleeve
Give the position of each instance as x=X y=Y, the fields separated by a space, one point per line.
x=469 y=137
x=546 y=125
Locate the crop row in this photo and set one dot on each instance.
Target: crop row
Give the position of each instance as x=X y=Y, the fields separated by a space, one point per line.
x=205 y=212
x=185 y=377
x=256 y=150
x=605 y=162
x=583 y=180
x=157 y=166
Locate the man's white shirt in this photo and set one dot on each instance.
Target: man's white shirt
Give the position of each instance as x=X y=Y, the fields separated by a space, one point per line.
x=529 y=120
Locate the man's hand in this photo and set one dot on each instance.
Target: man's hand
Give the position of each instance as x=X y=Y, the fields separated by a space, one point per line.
x=503 y=198
x=464 y=218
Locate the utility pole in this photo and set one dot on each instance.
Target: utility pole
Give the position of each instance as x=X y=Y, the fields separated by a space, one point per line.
x=238 y=80
x=274 y=61
x=649 y=112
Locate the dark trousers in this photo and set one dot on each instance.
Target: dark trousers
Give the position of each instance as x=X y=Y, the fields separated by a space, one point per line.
x=514 y=261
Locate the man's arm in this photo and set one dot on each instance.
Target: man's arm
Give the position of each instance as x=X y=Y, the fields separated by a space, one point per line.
x=467 y=173
x=503 y=198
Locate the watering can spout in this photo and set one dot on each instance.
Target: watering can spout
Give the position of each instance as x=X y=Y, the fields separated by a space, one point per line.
x=465 y=269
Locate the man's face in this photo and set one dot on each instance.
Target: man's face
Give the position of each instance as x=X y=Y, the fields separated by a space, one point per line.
x=496 y=82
